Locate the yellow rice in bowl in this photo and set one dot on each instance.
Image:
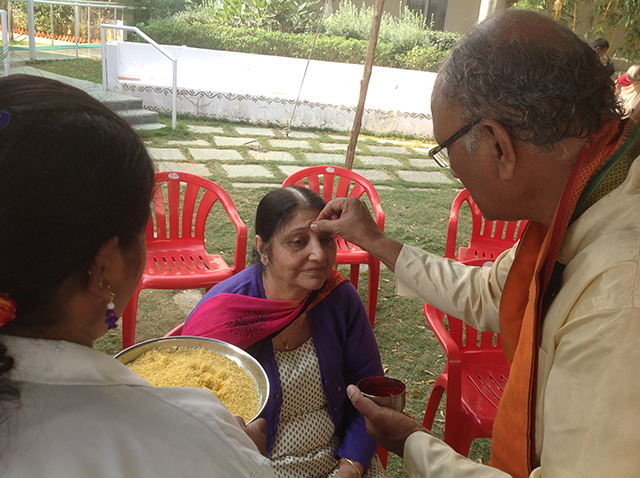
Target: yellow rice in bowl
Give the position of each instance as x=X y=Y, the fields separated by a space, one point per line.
x=201 y=368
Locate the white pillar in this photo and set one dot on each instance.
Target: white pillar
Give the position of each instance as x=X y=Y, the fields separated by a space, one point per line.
x=487 y=7
x=31 y=25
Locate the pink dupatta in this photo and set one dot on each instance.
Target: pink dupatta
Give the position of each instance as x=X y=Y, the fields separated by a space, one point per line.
x=243 y=320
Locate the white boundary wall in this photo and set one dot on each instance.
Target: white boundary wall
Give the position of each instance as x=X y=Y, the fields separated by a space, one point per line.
x=263 y=89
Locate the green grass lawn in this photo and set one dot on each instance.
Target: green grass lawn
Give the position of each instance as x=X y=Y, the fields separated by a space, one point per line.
x=419 y=217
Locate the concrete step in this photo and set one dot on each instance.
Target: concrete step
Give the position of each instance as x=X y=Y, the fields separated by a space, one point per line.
x=138 y=116
x=124 y=104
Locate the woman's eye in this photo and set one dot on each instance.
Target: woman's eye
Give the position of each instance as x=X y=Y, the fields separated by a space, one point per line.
x=327 y=239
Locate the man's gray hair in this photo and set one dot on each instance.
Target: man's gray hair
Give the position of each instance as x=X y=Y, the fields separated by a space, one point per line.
x=531 y=74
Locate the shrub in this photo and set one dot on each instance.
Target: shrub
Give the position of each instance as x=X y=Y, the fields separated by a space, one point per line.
x=404 y=33
x=263 y=42
x=231 y=25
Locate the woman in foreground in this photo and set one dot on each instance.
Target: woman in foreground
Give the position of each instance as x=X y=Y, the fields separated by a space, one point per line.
x=75 y=189
x=307 y=326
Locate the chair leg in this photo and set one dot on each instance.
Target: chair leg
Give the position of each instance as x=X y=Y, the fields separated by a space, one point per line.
x=129 y=321
x=460 y=442
x=432 y=406
x=374 y=283
x=354 y=274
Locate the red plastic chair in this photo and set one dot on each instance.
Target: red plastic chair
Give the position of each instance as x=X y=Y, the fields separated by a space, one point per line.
x=333 y=182
x=474 y=378
x=488 y=238
x=176 y=253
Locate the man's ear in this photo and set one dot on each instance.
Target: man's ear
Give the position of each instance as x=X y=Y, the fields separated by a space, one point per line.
x=102 y=263
x=503 y=148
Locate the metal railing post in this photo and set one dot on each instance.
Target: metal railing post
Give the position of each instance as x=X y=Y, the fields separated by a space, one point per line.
x=5 y=41
x=146 y=38
x=75 y=26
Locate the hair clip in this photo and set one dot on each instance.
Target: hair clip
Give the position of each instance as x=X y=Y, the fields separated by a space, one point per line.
x=4 y=119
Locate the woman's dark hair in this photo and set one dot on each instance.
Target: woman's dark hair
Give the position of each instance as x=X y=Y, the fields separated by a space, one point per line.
x=73 y=175
x=531 y=74
x=277 y=207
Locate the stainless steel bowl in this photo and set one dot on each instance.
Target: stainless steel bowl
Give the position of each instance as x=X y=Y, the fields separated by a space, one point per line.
x=385 y=391
x=239 y=356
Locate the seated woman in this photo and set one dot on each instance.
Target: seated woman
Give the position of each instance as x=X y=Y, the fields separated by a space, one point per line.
x=75 y=191
x=307 y=326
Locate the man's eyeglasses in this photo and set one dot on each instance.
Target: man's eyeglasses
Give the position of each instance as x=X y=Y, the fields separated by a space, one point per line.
x=439 y=153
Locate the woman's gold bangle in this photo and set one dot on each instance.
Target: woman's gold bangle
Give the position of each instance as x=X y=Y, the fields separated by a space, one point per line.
x=352 y=463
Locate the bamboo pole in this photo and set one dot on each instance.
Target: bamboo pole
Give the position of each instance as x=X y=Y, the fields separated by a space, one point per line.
x=364 y=83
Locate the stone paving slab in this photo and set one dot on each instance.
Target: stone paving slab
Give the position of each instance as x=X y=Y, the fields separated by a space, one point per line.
x=301 y=134
x=250 y=131
x=193 y=142
x=395 y=141
x=289 y=170
x=193 y=168
x=423 y=163
x=339 y=137
x=379 y=161
x=325 y=158
x=289 y=143
x=233 y=141
x=424 y=151
x=255 y=185
x=206 y=129
x=424 y=177
x=388 y=149
x=277 y=156
x=373 y=175
x=166 y=153
x=209 y=154
x=247 y=171
x=337 y=147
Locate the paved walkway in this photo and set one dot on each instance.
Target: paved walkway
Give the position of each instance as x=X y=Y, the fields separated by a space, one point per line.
x=253 y=157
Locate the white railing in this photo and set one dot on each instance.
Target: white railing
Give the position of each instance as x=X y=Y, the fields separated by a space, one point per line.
x=76 y=4
x=5 y=41
x=142 y=35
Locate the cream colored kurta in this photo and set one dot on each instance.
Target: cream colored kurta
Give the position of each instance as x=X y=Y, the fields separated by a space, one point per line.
x=588 y=420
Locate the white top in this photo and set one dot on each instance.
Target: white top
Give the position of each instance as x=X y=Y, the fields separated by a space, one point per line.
x=305 y=443
x=588 y=398
x=84 y=414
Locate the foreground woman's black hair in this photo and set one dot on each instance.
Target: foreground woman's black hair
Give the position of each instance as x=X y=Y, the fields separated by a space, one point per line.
x=73 y=175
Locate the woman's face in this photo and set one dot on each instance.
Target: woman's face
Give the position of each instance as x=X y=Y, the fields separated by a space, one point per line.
x=299 y=260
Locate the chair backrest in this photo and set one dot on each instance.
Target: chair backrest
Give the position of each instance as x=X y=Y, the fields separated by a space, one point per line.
x=467 y=338
x=181 y=205
x=488 y=238
x=332 y=182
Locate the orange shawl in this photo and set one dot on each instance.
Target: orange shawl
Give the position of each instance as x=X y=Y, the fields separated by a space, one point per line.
x=600 y=168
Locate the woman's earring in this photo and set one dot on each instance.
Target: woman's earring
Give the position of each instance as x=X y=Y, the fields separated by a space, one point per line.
x=264 y=260
x=112 y=318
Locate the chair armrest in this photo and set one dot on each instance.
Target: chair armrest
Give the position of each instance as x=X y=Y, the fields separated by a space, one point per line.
x=435 y=319
x=240 y=255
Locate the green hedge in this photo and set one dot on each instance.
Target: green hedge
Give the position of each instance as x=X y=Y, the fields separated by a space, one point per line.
x=262 y=42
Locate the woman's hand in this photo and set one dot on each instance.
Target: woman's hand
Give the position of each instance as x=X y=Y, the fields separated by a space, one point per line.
x=349 y=469
x=256 y=431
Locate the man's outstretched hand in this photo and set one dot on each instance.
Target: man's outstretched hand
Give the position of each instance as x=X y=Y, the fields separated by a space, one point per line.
x=350 y=219
x=389 y=428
